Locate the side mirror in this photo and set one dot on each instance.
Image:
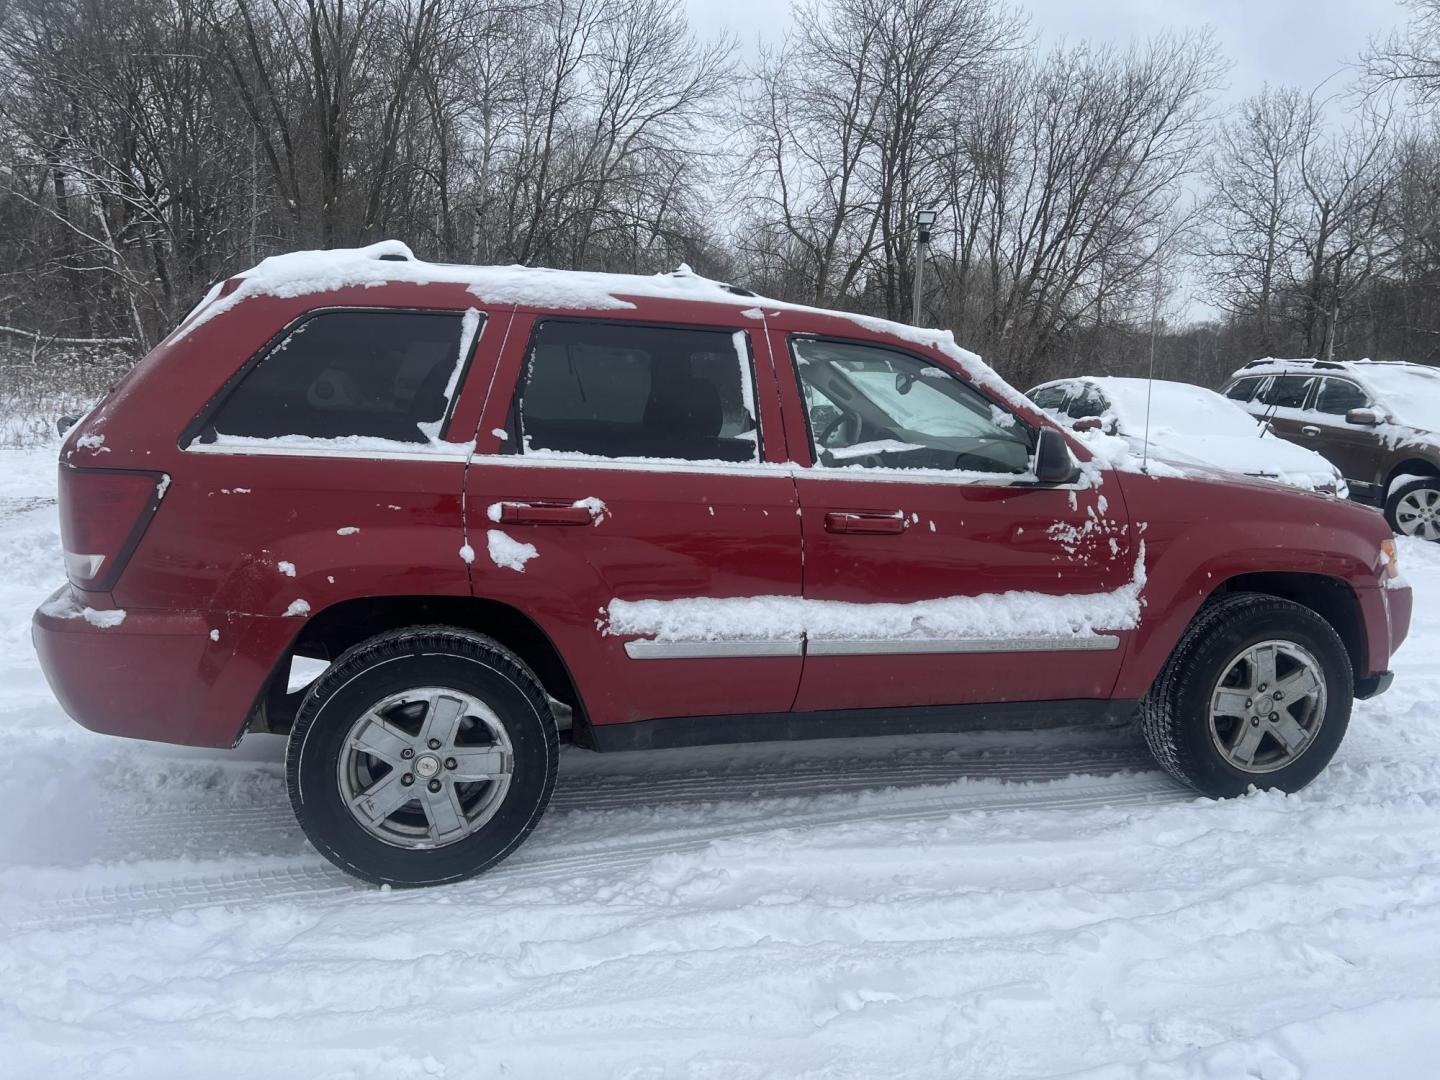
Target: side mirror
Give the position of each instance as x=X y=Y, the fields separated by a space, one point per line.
x=1363 y=417
x=65 y=423
x=1086 y=423
x=1053 y=463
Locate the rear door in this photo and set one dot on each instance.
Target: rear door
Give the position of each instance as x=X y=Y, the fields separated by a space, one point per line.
x=918 y=517
x=631 y=484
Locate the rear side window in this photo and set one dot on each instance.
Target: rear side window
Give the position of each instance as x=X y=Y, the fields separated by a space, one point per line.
x=1086 y=402
x=1287 y=391
x=371 y=374
x=1245 y=389
x=1049 y=397
x=1337 y=397
x=629 y=391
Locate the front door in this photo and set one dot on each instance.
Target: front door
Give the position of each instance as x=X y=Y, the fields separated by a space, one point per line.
x=946 y=575
x=1354 y=449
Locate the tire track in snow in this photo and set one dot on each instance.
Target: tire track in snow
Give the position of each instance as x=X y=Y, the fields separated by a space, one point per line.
x=545 y=859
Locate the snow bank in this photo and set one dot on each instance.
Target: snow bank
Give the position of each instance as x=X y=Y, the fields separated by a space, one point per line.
x=1009 y=615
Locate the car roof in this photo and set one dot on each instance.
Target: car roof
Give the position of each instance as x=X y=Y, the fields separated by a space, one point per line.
x=1271 y=365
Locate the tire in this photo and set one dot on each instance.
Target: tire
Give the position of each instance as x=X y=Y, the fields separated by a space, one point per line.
x=1413 y=509
x=1176 y=720
x=495 y=762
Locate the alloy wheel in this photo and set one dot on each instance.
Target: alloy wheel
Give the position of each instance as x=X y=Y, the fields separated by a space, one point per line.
x=425 y=768
x=1267 y=706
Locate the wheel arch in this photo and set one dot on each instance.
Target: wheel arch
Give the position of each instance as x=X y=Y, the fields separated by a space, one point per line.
x=332 y=630
x=1331 y=598
x=1411 y=467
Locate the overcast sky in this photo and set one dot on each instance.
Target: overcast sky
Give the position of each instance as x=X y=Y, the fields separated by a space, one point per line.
x=1279 y=41
x=1291 y=42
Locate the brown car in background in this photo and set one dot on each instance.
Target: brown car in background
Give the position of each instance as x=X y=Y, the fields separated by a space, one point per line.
x=1377 y=422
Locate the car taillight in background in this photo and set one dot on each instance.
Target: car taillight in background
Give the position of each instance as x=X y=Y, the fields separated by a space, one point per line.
x=103 y=513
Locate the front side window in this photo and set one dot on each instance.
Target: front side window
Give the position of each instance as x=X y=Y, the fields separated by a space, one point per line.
x=341 y=374
x=1245 y=389
x=617 y=390
x=1286 y=391
x=1338 y=396
x=874 y=408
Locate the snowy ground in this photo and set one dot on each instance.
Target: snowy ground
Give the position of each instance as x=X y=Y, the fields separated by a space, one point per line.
x=997 y=905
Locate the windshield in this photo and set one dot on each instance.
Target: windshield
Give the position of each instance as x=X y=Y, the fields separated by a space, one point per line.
x=1410 y=394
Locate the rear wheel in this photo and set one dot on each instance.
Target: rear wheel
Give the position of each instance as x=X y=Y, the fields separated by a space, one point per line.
x=422 y=756
x=1258 y=692
x=1413 y=508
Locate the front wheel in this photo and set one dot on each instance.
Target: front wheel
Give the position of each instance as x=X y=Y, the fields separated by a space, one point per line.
x=1257 y=693
x=422 y=756
x=1413 y=508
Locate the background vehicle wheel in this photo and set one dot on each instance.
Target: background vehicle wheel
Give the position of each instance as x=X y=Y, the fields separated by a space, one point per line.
x=1413 y=509
x=422 y=756
x=1257 y=692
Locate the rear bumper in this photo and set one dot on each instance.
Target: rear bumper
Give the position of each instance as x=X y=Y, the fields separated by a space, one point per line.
x=179 y=677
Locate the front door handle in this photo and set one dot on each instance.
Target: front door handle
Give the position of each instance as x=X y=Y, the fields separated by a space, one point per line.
x=1310 y=429
x=544 y=513
x=851 y=521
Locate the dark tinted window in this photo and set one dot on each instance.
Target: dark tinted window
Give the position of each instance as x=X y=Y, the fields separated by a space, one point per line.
x=1086 y=401
x=616 y=390
x=1287 y=391
x=1245 y=389
x=1049 y=397
x=376 y=374
x=1337 y=397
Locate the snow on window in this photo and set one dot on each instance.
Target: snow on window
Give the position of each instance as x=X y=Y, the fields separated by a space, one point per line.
x=1009 y=615
x=507 y=552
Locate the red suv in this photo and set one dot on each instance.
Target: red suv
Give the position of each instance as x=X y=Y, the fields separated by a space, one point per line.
x=503 y=504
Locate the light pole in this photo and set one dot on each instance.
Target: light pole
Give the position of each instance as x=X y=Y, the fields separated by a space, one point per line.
x=924 y=222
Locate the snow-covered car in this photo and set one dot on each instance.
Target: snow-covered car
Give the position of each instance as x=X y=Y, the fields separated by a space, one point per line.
x=1188 y=425
x=1378 y=421
x=495 y=507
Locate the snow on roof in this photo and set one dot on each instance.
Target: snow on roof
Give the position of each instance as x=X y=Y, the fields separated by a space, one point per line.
x=300 y=273
x=1408 y=392
x=1172 y=406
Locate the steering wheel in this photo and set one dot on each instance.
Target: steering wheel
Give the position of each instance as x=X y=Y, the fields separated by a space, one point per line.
x=832 y=427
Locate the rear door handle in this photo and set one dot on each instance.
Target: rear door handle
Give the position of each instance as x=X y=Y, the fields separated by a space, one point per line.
x=544 y=513
x=849 y=521
x=1310 y=429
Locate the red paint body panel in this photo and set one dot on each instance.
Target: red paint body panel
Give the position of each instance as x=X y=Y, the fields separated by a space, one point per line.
x=356 y=527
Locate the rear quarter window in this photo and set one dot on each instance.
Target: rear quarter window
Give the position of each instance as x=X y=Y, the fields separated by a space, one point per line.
x=1244 y=390
x=388 y=375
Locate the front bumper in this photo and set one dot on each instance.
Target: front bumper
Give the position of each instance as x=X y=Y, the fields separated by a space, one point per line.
x=167 y=676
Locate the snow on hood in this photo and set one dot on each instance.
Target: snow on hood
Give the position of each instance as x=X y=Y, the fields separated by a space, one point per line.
x=1191 y=427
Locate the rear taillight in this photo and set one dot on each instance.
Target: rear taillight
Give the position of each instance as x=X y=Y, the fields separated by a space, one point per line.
x=103 y=513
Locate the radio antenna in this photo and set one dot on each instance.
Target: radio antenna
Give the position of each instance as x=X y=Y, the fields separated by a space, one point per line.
x=1154 y=332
